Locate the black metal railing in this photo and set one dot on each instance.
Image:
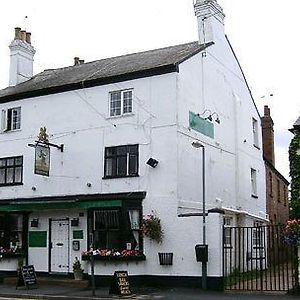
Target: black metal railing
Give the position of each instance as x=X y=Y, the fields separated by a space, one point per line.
x=256 y=259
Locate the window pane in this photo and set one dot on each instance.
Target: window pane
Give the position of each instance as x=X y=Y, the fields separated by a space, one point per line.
x=122 y=165
x=127 y=102
x=133 y=149
x=2 y=162
x=115 y=104
x=110 y=167
x=10 y=162
x=2 y=176
x=107 y=219
x=121 y=150
x=18 y=161
x=133 y=164
x=110 y=151
x=10 y=175
x=18 y=175
x=16 y=118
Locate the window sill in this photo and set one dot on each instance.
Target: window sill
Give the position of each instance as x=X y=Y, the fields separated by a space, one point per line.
x=114 y=258
x=120 y=116
x=254 y=196
x=11 y=130
x=116 y=177
x=10 y=184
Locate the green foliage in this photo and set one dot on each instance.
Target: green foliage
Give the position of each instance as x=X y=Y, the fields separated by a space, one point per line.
x=151 y=228
x=77 y=265
x=294 y=158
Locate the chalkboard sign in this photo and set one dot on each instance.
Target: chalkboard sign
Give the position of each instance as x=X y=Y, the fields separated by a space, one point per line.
x=120 y=284
x=27 y=277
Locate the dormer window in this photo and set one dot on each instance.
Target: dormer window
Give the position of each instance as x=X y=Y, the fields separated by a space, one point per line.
x=120 y=103
x=11 y=119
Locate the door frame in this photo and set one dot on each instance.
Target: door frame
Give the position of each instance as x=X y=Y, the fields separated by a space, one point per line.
x=50 y=243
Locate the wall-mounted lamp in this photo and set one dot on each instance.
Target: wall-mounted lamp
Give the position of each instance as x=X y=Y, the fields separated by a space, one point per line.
x=75 y=222
x=34 y=223
x=152 y=162
x=210 y=116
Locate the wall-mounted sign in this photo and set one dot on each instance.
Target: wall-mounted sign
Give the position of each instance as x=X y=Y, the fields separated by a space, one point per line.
x=42 y=160
x=201 y=125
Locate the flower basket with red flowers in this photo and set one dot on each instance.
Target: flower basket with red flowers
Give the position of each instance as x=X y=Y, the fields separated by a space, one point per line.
x=291 y=234
x=151 y=227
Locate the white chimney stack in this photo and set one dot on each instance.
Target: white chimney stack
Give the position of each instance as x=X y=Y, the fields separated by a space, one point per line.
x=210 y=18
x=21 y=57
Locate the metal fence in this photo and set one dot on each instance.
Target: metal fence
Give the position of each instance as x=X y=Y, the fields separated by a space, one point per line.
x=256 y=259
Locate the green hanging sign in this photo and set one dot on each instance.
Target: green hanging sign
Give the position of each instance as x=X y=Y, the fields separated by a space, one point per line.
x=201 y=125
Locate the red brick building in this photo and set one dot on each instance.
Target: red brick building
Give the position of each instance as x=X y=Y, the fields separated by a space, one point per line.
x=277 y=185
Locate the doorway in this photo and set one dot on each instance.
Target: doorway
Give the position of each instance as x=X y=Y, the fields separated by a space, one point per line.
x=59 y=246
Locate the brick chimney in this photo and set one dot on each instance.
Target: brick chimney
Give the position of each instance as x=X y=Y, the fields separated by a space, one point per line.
x=268 y=136
x=210 y=18
x=21 y=57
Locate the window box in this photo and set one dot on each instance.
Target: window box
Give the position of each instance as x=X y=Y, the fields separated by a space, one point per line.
x=10 y=253
x=110 y=255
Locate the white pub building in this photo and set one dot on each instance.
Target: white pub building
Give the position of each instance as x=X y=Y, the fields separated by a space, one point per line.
x=88 y=151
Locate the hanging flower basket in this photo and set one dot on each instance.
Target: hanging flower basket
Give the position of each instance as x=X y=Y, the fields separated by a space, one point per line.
x=291 y=233
x=151 y=228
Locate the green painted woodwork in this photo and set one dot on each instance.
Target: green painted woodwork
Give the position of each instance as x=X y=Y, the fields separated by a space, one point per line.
x=201 y=125
x=77 y=234
x=37 y=239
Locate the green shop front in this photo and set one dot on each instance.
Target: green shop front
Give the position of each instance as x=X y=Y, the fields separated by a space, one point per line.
x=50 y=232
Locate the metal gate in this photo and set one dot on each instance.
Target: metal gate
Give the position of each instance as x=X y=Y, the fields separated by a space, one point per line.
x=256 y=259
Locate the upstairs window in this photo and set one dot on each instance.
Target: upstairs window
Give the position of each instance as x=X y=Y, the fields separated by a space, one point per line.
x=255 y=132
x=11 y=170
x=120 y=103
x=253 y=183
x=121 y=161
x=11 y=119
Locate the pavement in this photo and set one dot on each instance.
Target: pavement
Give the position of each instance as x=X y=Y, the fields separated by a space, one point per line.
x=64 y=293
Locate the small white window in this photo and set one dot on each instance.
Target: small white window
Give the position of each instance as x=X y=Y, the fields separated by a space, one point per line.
x=228 y=232
x=11 y=119
x=253 y=182
x=255 y=132
x=120 y=103
x=258 y=234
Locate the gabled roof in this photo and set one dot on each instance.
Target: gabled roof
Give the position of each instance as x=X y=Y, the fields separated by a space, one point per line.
x=104 y=71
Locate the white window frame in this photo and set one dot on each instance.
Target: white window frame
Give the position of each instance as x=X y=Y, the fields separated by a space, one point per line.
x=257 y=238
x=253 y=182
x=11 y=119
x=112 y=112
x=228 y=232
x=255 y=133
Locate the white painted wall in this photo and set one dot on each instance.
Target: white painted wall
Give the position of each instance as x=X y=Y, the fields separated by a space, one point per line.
x=159 y=124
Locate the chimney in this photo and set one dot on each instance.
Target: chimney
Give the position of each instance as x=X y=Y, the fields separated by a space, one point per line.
x=21 y=57
x=268 y=136
x=210 y=17
x=78 y=61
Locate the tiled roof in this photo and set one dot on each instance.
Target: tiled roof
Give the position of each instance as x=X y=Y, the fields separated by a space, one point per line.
x=51 y=81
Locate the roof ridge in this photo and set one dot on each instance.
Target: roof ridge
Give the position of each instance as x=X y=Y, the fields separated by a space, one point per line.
x=118 y=56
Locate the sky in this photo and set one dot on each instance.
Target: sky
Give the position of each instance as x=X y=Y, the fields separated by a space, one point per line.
x=263 y=33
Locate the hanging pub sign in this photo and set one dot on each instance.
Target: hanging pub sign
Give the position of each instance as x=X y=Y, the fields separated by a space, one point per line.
x=42 y=159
